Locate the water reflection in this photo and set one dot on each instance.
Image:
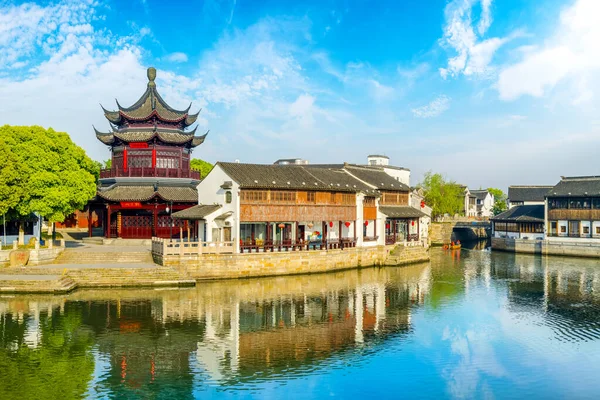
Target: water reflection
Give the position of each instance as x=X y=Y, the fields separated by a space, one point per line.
x=455 y=327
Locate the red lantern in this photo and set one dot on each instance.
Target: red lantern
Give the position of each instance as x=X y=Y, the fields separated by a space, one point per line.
x=422 y=203
x=331 y=224
x=281 y=226
x=347 y=224
x=413 y=223
x=366 y=223
x=387 y=226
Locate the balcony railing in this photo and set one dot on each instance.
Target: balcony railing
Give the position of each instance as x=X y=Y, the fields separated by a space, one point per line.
x=149 y=173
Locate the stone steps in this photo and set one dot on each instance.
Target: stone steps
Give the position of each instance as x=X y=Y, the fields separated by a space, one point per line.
x=131 y=276
x=53 y=284
x=103 y=257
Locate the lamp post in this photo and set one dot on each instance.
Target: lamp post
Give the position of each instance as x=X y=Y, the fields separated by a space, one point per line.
x=170 y=211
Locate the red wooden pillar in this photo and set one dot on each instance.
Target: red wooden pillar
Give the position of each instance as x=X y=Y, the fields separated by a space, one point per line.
x=395 y=225
x=89 y=222
x=153 y=158
x=125 y=159
x=108 y=222
x=155 y=221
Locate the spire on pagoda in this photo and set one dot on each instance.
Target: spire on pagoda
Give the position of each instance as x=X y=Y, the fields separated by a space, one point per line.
x=148 y=118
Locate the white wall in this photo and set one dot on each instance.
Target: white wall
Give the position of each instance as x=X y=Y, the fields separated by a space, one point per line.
x=210 y=192
x=401 y=175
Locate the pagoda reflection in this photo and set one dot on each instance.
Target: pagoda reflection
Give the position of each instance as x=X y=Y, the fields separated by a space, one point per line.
x=229 y=332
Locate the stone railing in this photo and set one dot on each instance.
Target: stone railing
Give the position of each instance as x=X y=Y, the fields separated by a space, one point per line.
x=166 y=247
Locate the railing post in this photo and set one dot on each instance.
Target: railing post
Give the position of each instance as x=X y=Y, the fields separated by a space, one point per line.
x=15 y=244
x=62 y=242
x=51 y=244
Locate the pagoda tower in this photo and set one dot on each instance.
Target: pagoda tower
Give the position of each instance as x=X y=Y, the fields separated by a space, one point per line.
x=150 y=175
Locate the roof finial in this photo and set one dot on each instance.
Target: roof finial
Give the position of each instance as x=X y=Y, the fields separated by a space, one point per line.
x=151 y=76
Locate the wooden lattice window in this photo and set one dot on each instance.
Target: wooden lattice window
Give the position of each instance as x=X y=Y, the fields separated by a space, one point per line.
x=349 y=199
x=254 y=195
x=311 y=197
x=283 y=196
x=369 y=202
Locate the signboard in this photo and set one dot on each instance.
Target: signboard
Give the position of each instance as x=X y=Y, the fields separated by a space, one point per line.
x=131 y=204
x=138 y=145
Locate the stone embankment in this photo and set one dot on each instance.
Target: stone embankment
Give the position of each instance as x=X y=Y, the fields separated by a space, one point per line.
x=547 y=247
x=231 y=266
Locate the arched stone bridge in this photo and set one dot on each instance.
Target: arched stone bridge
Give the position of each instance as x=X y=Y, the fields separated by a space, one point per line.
x=446 y=232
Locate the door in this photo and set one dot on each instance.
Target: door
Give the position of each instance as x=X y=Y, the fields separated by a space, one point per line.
x=227 y=234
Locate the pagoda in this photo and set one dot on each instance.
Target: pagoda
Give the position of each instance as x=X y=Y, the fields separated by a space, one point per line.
x=150 y=175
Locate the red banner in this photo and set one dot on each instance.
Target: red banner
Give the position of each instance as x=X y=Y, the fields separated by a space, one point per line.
x=125 y=159
x=131 y=204
x=138 y=145
x=154 y=158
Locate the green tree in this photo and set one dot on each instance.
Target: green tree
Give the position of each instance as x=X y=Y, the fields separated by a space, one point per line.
x=444 y=197
x=107 y=164
x=499 y=200
x=203 y=166
x=48 y=173
x=11 y=179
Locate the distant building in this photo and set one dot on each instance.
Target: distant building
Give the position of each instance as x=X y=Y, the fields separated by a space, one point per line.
x=573 y=209
x=291 y=161
x=520 y=222
x=527 y=195
x=484 y=203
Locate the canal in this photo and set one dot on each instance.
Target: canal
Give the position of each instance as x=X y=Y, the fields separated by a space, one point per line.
x=469 y=324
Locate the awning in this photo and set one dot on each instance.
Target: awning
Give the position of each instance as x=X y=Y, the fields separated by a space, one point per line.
x=196 y=212
x=401 y=212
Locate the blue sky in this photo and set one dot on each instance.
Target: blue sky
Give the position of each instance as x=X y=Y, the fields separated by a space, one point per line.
x=488 y=92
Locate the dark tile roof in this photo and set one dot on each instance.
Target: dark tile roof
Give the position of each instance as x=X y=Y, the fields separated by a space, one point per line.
x=527 y=193
x=531 y=213
x=150 y=102
x=196 y=212
x=298 y=177
x=119 y=192
x=174 y=136
x=401 y=212
x=376 y=177
x=480 y=194
x=576 y=187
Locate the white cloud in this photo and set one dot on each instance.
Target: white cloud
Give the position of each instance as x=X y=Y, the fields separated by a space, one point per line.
x=571 y=55
x=434 y=108
x=473 y=53
x=177 y=57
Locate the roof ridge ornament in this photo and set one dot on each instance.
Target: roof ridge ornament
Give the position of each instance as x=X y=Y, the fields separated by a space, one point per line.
x=151 y=73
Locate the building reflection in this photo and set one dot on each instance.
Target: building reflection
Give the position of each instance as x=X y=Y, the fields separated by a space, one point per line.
x=225 y=332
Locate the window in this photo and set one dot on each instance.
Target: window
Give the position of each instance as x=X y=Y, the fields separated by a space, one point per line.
x=581 y=203
x=598 y=230
x=369 y=202
x=311 y=197
x=228 y=196
x=348 y=199
x=283 y=197
x=574 y=228
x=558 y=203
x=563 y=229
x=553 y=228
x=596 y=203
x=586 y=230
x=254 y=195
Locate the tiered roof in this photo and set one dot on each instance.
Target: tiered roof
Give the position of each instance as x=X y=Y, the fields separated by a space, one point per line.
x=150 y=117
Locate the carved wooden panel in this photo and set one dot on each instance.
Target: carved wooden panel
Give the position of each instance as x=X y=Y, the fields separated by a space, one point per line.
x=296 y=212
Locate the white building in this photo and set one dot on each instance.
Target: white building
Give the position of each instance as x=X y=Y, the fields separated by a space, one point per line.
x=484 y=203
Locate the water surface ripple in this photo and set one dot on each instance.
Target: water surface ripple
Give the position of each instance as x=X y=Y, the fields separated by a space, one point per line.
x=469 y=324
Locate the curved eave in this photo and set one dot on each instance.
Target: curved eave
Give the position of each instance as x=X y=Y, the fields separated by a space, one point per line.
x=169 y=108
x=138 y=103
x=190 y=119
x=105 y=137
x=112 y=116
x=198 y=140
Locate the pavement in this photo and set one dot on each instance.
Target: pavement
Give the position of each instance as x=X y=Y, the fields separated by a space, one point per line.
x=16 y=277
